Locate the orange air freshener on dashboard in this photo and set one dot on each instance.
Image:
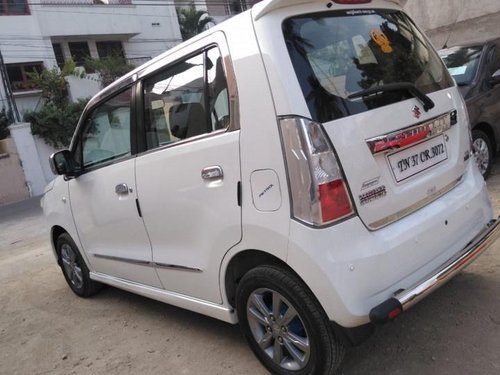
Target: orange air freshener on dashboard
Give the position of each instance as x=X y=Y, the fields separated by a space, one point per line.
x=381 y=39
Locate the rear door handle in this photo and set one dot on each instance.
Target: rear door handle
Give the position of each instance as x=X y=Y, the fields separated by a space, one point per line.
x=212 y=173
x=122 y=189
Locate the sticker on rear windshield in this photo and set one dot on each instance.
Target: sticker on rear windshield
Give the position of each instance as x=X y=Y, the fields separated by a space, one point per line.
x=363 y=52
x=382 y=40
x=359 y=12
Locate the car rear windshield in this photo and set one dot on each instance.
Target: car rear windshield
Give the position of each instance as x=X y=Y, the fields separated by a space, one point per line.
x=462 y=62
x=340 y=53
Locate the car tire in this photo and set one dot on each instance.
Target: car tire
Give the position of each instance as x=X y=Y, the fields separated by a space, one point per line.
x=74 y=269
x=483 y=151
x=284 y=324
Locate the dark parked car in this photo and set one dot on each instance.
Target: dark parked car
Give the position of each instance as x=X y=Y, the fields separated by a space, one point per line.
x=476 y=68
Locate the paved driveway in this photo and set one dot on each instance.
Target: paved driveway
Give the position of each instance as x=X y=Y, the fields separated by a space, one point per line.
x=46 y=329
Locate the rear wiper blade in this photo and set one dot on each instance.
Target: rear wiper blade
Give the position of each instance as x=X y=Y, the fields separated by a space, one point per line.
x=400 y=86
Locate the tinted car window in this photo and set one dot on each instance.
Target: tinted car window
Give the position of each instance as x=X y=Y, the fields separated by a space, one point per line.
x=462 y=62
x=186 y=100
x=495 y=64
x=340 y=53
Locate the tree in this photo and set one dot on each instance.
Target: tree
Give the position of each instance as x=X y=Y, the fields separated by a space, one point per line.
x=57 y=119
x=193 y=21
x=52 y=83
x=109 y=68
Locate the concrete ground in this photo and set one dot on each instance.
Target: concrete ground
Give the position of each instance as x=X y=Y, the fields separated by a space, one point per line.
x=46 y=329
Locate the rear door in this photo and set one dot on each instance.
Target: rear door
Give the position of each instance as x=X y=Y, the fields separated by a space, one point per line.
x=397 y=154
x=188 y=178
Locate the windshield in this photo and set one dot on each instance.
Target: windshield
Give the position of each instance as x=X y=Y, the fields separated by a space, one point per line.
x=337 y=54
x=462 y=63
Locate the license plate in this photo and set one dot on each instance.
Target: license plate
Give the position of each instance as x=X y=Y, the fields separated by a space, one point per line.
x=414 y=160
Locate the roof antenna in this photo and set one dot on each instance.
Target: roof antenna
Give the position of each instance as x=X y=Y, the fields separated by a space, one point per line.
x=460 y=10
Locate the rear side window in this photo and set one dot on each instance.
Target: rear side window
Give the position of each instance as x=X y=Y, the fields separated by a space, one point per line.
x=340 y=53
x=186 y=100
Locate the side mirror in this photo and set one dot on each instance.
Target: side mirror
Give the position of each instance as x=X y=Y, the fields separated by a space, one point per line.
x=62 y=163
x=495 y=78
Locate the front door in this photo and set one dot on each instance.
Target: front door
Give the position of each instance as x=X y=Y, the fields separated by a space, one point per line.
x=103 y=198
x=188 y=181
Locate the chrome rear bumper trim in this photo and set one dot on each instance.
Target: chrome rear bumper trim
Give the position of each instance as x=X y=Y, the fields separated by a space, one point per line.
x=405 y=299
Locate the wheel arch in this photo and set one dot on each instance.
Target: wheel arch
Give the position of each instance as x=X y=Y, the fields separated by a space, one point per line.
x=243 y=262
x=55 y=232
x=246 y=260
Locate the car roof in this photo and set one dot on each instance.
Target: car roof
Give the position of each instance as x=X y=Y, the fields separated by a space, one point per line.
x=267 y=6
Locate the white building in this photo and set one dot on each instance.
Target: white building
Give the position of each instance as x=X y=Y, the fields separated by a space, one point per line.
x=44 y=33
x=219 y=10
x=454 y=22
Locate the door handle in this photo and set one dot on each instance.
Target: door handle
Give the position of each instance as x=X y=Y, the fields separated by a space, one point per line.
x=122 y=189
x=212 y=173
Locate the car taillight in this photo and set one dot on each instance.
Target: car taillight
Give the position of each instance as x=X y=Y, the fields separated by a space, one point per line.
x=318 y=189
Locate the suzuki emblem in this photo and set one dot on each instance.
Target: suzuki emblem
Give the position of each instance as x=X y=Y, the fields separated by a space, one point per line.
x=416 y=112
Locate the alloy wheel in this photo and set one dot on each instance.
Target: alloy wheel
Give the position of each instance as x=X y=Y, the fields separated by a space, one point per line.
x=71 y=267
x=278 y=329
x=481 y=154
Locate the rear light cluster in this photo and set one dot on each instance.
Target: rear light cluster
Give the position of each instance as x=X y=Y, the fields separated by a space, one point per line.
x=317 y=186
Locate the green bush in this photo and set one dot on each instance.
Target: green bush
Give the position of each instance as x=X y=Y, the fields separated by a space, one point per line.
x=56 y=123
x=57 y=119
x=52 y=83
x=110 y=68
x=5 y=120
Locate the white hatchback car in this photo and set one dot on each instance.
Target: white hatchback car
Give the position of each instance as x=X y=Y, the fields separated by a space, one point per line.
x=303 y=168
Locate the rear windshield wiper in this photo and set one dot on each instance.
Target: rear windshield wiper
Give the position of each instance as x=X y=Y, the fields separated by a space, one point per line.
x=401 y=86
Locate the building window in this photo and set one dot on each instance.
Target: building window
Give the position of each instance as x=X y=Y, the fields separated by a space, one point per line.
x=19 y=75
x=237 y=6
x=79 y=52
x=14 y=8
x=110 y=49
x=58 y=52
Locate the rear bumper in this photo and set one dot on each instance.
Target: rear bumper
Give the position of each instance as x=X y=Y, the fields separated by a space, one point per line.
x=405 y=299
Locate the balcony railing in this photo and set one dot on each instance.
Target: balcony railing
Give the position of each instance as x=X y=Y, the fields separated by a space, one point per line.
x=85 y=2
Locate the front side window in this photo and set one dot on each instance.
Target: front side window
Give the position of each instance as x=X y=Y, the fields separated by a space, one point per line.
x=106 y=136
x=340 y=53
x=462 y=63
x=186 y=100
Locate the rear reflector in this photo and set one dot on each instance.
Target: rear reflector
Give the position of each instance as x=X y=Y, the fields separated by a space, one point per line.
x=395 y=313
x=386 y=311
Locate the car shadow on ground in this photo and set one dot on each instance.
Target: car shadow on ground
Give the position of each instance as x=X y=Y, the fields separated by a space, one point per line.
x=447 y=333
